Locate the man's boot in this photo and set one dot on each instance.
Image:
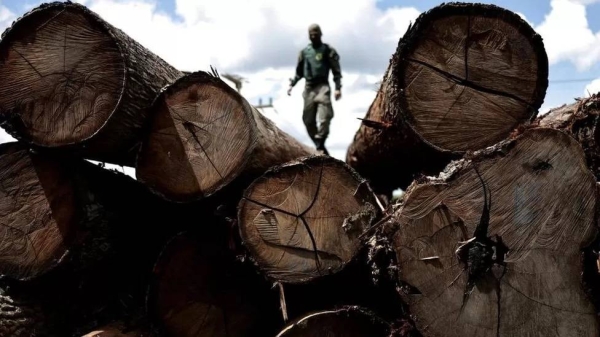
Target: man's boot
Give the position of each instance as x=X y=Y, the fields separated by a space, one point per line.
x=320 y=143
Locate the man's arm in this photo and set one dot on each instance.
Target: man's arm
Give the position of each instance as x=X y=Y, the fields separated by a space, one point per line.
x=336 y=70
x=299 y=70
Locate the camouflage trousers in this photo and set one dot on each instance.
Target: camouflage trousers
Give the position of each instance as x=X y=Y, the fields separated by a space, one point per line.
x=318 y=111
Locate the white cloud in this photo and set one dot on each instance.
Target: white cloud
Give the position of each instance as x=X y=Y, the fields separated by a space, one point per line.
x=592 y=88
x=260 y=40
x=567 y=35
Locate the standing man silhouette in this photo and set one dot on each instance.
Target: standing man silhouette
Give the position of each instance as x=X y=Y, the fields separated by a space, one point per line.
x=314 y=63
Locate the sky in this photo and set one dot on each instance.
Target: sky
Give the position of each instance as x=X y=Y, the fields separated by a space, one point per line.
x=260 y=40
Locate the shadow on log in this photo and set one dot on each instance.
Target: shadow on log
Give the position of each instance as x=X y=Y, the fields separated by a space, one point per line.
x=463 y=77
x=304 y=219
x=200 y=289
x=70 y=80
x=493 y=247
x=344 y=322
x=204 y=135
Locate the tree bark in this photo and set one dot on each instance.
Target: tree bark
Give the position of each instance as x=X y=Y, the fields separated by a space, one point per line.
x=349 y=321
x=204 y=135
x=74 y=82
x=462 y=78
x=580 y=120
x=200 y=289
x=493 y=246
x=304 y=219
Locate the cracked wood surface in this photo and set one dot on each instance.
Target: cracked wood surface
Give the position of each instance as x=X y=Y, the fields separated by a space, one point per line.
x=71 y=80
x=463 y=77
x=543 y=209
x=345 y=322
x=199 y=289
x=204 y=135
x=304 y=219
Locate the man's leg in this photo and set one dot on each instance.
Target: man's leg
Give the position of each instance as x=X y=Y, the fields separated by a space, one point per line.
x=309 y=114
x=324 y=116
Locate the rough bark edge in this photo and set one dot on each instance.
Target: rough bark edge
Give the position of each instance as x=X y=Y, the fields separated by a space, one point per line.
x=589 y=252
x=188 y=79
x=408 y=42
x=101 y=23
x=306 y=161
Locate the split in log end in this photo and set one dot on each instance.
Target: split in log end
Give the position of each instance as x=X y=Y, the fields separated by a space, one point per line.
x=304 y=219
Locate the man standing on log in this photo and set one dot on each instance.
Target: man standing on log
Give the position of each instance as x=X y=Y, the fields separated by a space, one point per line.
x=314 y=63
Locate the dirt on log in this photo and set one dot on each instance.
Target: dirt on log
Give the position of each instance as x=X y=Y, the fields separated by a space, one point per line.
x=349 y=321
x=304 y=219
x=580 y=120
x=463 y=77
x=493 y=247
x=200 y=289
x=70 y=80
x=204 y=135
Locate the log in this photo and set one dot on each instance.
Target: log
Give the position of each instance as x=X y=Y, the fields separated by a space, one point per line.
x=71 y=80
x=200 y=289
x=463 y=77
x=304 y=219
x=579 y=119
x=349 y=321
x=493 y=247
x=203 y=135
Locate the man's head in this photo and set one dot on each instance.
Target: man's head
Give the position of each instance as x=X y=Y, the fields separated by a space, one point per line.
x=314 y=33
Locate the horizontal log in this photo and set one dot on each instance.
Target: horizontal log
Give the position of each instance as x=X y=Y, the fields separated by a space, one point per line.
x=304 y=219
x=204 y=135
x=71 y=80
x=462 y=78
x=493 y=246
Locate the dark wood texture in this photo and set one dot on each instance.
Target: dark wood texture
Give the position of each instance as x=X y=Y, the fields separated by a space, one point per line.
x=304 y=219
x=204 y=135
x=461 y=79
x=70 y=80
x=200 y=289
x=580 y=120
x=345 y=322
x=513 y=267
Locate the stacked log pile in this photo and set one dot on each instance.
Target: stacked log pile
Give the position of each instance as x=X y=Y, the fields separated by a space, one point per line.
x=234 y=228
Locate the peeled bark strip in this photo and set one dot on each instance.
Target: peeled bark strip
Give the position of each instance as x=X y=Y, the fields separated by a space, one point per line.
x=345 y=322
x=199 y=289
x=580 y=120
x=72 y=80
x=462 y=78
x=304 y=219
x=204 y=134
x=512 y=268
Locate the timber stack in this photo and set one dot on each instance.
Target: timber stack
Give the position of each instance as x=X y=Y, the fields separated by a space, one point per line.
x=232 y=227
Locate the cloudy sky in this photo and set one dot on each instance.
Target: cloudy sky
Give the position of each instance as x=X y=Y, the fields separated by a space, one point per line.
x=260 y=40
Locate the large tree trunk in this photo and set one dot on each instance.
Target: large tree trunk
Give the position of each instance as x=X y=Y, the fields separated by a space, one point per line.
x=345 y=322
x=70 y=80
x=204 y=135
x=580 y=120
x=304 y=219
x=493 y=247
x=200 y=289
x=462 y=78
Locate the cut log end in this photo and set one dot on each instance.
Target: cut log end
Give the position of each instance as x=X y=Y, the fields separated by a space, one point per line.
x=199 y=289
x=304 y=219
x=469 y=74
x=201 y=135
x=346 y=322
x=36 y=210
x=63 y=75
x=515 y=270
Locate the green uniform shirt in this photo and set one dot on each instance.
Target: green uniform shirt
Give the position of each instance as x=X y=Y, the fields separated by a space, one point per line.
x=314 y=65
